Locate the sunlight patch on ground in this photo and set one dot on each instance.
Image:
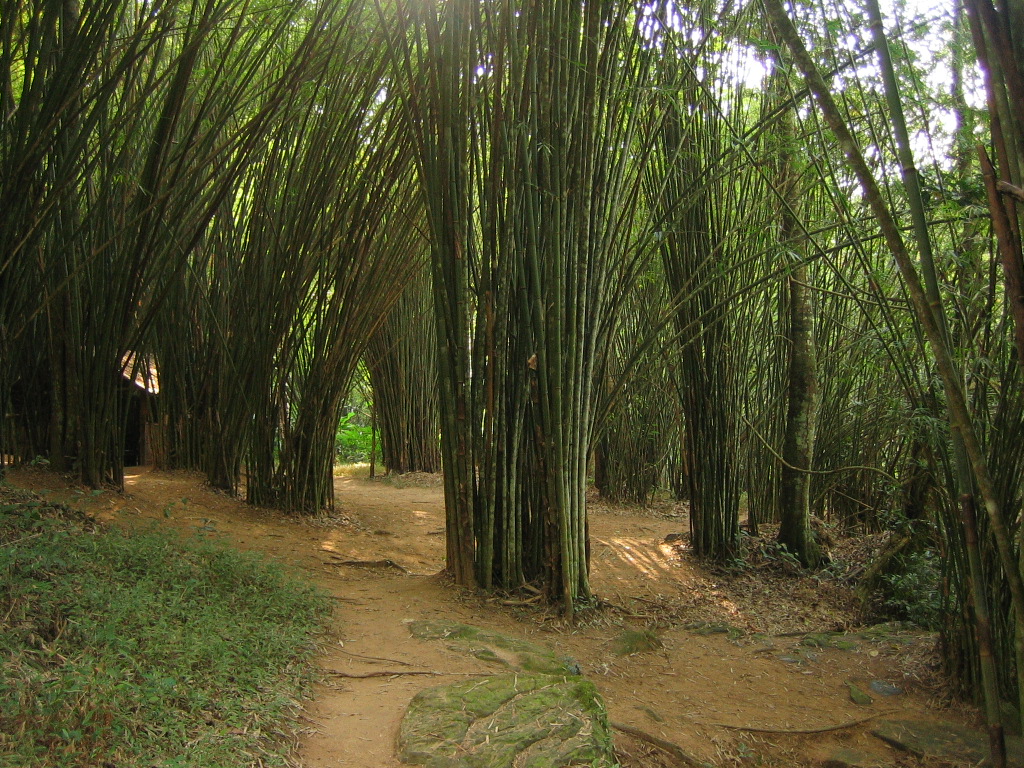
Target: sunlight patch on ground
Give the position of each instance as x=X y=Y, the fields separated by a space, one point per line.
x=636 y=554
x=670 y=551
x=360 y=469
x=729 y=607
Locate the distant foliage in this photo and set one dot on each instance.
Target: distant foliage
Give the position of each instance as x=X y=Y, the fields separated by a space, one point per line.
x=354 y=441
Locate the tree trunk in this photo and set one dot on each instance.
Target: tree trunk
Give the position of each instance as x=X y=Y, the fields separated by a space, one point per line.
x=795 y=531
x=801 y=422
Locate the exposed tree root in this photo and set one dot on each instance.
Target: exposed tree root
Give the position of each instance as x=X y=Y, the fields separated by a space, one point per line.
x=371 y=564
x=378 y=658
x=528 y=601
x=666 y=746
x=823 y=729
x=380 y=673
x=400 y=673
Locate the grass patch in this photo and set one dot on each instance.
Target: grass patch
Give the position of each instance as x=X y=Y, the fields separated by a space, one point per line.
x=360 y=470
x=141 y=649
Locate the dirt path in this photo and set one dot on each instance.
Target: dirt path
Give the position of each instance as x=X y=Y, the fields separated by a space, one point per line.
x=726 y=654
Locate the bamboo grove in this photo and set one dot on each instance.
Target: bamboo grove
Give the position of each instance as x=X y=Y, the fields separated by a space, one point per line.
x=748 y=255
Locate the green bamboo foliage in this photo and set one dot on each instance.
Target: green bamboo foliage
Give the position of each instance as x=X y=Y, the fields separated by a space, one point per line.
x=180 y=338
x=248 y=302
x=802 y=396
x=127 y=127
x=524 y=116
x=705 y=246
x=302 y=267
x=996 y=32
x=643 y=426
x=353 y=294
x=709 y=371
x=872 y=452
x=366 y=279
x=431 y=57
x=868 y=398
x=580 y=172
x=764 y=418
x=401 y=359
x=998 y=45
x=970 y=470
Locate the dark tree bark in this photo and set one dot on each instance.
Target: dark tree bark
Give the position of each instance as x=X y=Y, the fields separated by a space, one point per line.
x=795 y=531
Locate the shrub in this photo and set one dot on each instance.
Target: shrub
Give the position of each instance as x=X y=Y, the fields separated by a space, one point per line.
x=911 y=590
x=354 y=441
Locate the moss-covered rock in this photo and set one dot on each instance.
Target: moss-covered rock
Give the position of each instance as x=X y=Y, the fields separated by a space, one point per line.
x=526 y=720
x=858 y=696
x=541 y=715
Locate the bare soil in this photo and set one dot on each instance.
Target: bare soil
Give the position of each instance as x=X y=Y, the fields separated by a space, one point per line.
x=741 y=672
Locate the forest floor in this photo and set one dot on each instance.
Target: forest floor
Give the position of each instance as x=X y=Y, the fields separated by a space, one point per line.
x=738 y=668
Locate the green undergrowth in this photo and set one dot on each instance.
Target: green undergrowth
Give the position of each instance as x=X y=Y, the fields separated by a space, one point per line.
x=143 y=649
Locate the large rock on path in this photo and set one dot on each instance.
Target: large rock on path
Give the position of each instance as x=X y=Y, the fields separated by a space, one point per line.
x=539 y=714
x=526 y=721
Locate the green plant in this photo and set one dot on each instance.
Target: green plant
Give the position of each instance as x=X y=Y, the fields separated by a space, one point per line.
x=353 y=442
x=911 y=592
x=142 y=649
